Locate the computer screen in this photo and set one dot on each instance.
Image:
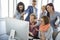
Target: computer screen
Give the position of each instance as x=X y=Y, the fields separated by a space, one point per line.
x=21 y=27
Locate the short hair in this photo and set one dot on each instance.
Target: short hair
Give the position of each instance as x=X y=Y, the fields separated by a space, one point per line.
x=46 y=20
x=33 y=15
x=34 y=0
x=20 y=3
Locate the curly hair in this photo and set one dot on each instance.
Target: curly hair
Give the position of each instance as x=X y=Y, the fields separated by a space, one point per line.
x=20 y=3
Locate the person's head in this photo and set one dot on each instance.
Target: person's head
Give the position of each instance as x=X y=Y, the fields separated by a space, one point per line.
x=44 y=20
x=50 y=7
x=32 y=17
x=20 y=7
x=34 y=2
x=43 y=8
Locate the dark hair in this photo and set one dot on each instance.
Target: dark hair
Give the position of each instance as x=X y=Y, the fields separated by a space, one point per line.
x=46 y=20
x=20 y=3
x=34 y=0
x=50 y=4
x=48 y=14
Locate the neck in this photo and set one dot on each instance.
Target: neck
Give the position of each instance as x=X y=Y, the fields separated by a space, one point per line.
x=20 y=11
x=52 y=12
x=34 y=6
x=31 y=21
x=43 y=11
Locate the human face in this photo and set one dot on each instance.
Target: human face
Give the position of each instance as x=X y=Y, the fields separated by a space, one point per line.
x=32 y=19
x=43 y=8
x=49 y=8
x=21 y=7
x=42 y=22
x=34 y=3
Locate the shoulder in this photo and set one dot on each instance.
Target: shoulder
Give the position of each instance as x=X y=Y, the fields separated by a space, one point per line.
x=17 y=13
x=30 y=7
x=57 y=13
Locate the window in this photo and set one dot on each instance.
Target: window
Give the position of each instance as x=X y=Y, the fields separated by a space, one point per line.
x=4 y=8
x=44 y=2
x=8 y=7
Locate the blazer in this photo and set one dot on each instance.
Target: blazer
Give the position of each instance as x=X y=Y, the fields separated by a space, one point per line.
x=29 y=10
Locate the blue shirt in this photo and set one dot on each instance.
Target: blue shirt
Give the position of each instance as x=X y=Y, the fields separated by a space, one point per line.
x=52 y=20
x=30 y=11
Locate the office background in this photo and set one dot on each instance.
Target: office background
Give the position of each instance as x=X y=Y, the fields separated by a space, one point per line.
x=8 y=8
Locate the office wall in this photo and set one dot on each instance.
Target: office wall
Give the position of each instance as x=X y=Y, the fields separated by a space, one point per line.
x=57 y=5
x=8 y=8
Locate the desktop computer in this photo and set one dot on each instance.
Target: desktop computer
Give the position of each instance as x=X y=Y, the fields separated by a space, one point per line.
x=20 y=27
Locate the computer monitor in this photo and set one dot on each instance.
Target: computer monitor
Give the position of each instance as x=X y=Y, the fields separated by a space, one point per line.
x=21 y=27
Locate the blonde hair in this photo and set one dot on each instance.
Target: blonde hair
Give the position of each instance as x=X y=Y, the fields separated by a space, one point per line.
x=44 y=6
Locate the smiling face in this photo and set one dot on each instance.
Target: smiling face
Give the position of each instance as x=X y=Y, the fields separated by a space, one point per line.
x=43 y=8
x=32 y=19
x=34 y=2
x=49 y=8
x=42 y=21
x=21 y=7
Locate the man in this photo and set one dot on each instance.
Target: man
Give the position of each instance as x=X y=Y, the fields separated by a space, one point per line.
x=31 y=9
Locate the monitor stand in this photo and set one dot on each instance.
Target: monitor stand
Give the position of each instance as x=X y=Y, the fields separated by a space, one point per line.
x=12 y=34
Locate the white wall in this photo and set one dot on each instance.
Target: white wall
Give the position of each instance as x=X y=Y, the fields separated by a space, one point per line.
x=4 y=8
x=57 y=5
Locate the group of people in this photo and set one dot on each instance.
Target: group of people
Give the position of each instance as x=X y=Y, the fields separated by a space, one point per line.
x=46 y=27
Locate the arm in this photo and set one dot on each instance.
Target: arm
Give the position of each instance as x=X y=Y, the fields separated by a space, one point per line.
x=27 y=10
x=57 y=22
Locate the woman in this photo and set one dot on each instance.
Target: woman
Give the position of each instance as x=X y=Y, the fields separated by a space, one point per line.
x=44 y=12
x=54 y=16
x=45 y=29
x=20 y=11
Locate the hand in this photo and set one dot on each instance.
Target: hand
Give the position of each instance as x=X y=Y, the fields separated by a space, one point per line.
x=31 y=33
x=33 y=25
x=22 y=14
x=36 y=29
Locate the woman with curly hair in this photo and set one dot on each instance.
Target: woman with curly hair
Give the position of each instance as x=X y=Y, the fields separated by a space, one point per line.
x=20 y=11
